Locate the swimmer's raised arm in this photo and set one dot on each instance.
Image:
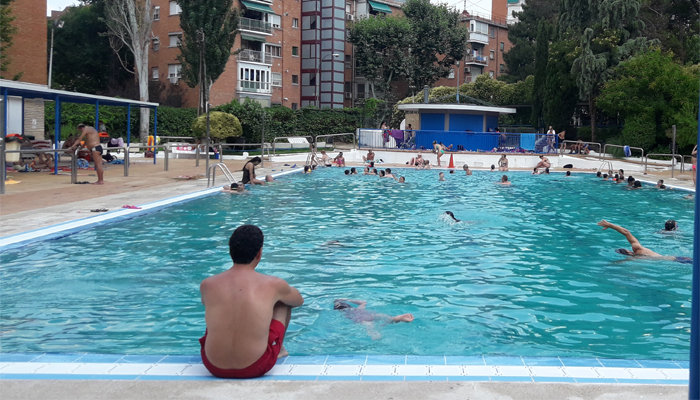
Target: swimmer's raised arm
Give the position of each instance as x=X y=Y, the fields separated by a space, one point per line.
x=630 y=238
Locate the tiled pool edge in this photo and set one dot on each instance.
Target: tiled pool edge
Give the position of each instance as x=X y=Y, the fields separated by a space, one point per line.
x=352 y=368
x=71 y=227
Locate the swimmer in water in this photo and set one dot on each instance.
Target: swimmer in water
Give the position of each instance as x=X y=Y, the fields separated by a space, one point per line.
x=441 y=176
x=402 y=180
x=504 y=181
x=467 y=171
x=637 y=249
x=452 y=215
x=234 y=188
x=365 y=317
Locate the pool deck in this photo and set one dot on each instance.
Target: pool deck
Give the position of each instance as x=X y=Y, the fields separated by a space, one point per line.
x=42 y=200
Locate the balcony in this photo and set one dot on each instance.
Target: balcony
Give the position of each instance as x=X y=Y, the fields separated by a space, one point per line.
x=254 y=56
x=255 y=25
x=478 y=37
x=478 y=60
x=254 y=87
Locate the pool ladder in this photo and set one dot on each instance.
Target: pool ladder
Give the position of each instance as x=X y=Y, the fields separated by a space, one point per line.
x=211 y=176
x=608 y=164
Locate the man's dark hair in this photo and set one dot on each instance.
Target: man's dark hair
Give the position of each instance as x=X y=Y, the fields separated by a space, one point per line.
x=353 y=170
x=388 y=170
x=568 y=173
x=341 y=305
x=347 y=172
x=234 y=186
x=81 y=126
x=630 y=179
x=493 y=166
x=244 y=244
x=637 y=184
x=605 y=176
x=670 y=225
x=599 y=174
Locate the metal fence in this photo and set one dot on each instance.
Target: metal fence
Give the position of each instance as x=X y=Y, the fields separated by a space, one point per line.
x=458 y=140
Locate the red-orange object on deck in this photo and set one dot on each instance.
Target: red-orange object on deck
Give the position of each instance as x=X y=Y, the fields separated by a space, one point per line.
x=452 y=162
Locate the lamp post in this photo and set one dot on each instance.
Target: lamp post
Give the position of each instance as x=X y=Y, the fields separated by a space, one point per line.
x=318 y=78
x=56 y=24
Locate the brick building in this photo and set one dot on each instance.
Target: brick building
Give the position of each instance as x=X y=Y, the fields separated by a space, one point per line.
x=28 y=57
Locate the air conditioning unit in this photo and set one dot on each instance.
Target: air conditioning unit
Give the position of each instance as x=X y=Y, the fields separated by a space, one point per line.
x=468 y=70
x=173 y=79
x=348 y=95
x=350 y=17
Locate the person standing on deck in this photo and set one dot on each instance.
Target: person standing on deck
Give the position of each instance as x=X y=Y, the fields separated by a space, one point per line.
x=92 y=142
x=247 y=313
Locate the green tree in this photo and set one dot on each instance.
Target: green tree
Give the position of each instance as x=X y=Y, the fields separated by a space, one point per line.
x=541 y=60
x=439 y=40
x=560 y=93
x=218 y=21
x=7 y=31
x=83 y=60
x=520 y=59
x=221 y=126
x=382 y=50
x=676 y=26
x=651 y=93
x=609 y=33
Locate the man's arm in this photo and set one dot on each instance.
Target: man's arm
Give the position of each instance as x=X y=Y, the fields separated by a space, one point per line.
x=288 y=294
x=633 y=240
x=78 y=140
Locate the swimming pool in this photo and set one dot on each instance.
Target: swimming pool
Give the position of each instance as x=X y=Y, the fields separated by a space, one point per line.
x=528 y=273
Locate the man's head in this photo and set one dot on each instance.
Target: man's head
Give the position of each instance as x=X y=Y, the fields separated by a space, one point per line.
x=269 y=178
x=347 y=172
x=624 y=252
x=341 y=305
x=402 y=179
x=382 y=173
x=504 y=178
x=605 y=176
x=568 y=173
x=465 y=167
x=599 y=174
x=493 y=167
x=388 y=170
x=637 y=184
x=452 y=171
x=369 y=151
x=660 y=182
x=81 y=127
x=245 y=244
x=630 y=179
x=323 y=152
x=671 y=225
x=441 y=174
x=353 y=170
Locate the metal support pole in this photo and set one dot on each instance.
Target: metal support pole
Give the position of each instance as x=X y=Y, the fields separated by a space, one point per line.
x=206 y=104
x=262 y=141
x=4 y=135
x=128 y=126
x=74 y=166
x=97 y=115
x=196 y=155
x=126 y=162
x=51 y=59
x=673 y=151
x=3 y=175
x=56 y=129
x=155 y=133
x=166 y=151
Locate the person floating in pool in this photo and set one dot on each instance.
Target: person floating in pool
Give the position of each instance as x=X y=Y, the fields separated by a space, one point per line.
x=441 y=176
x=637 y=249
x=504 y=181
x=671 y=226
x=234 y=188
x=246 y=313
x=452 y=216
x=367 y=318
x=249 y=171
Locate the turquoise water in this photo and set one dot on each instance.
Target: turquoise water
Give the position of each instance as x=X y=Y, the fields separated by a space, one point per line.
x=526 y=273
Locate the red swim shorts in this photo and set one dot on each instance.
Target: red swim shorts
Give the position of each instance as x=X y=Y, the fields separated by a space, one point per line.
x=258 y=368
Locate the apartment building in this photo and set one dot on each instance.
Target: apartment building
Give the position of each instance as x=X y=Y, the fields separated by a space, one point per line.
x=266 y=70
x=514 y=6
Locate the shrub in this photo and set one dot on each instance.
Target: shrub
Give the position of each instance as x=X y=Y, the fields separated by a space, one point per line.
x=221 y=126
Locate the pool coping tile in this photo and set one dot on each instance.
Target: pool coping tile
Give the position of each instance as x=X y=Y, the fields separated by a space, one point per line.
x=504 y=361
x=580 y=362
x=425 y=360
x=618 y=363
x=465 y=360
x=385 y=360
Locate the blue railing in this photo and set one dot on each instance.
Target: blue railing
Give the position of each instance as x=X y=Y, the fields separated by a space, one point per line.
x=459 y=140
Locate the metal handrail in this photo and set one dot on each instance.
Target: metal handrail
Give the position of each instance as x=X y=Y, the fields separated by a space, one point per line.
x=165 y=147
x=621 y=147
x=212 y=173
x=126 y=157
x=274 y=141
x=609 y=164
x=673 y=163
x=262 y=150
x=177 y=137
x=354 y=138
x=561 y=149
x=73 y=154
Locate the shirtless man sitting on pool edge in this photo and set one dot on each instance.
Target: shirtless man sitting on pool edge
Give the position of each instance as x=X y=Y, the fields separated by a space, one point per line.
x=637 y=249
x=247 y=313
x=92 y=142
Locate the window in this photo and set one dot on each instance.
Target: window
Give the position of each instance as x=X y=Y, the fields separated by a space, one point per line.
x=156 y=13
x=275 y=51
x=452 y=74
x=295 y=106
x=360 y=90
x=295 y=51
x=274 y=20
x=348 y=8
x=174 y=73
x=276 y=79
x=295 y=22
x=502 y=67
x=492 y=55
x=154 y=73
x=156 y=45
x=490 y=74
x=348 y=87
x=493 y=32
x=175 y=8
x=295 y=79
x=502 y=46
x=348 y=61
x=174 y=39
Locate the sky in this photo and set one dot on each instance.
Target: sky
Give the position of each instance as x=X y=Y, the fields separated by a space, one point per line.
x=482 y=7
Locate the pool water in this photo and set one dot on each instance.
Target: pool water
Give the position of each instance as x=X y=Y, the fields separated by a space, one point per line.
x=527 y=272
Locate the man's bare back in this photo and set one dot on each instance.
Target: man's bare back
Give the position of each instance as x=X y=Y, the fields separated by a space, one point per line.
x=240 y=305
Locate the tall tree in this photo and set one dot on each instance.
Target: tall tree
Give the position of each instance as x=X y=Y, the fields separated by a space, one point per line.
x=130 y=23
x=560 y=93
x=609 y=33
x=7 y=31
x=382 y=50
x=83 y=37
x=675 y=24
x=218 y=21
x=541 y=60
x=520 y=59
x=440 y=40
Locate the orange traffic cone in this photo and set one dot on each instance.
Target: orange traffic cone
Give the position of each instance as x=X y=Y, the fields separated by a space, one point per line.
x=452 y=162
